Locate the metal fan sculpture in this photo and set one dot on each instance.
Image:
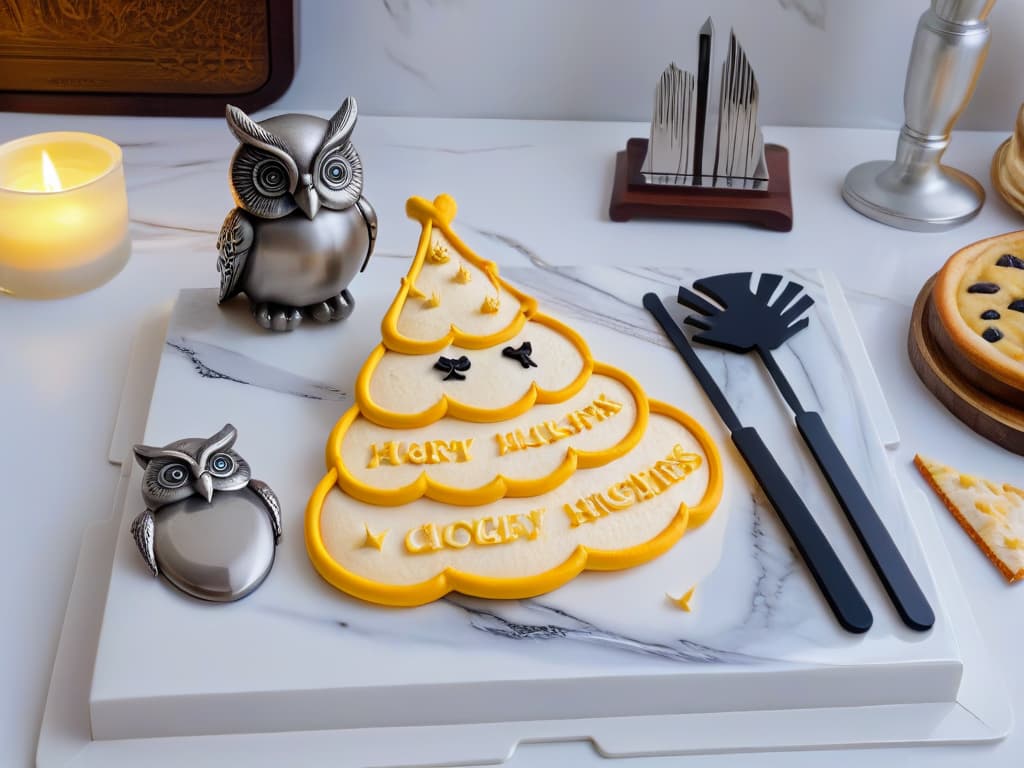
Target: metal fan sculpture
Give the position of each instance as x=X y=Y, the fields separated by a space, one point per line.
x=704 y=128
x=747 y=319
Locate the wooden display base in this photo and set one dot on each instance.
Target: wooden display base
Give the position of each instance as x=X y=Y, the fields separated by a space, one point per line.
x=633 y=198
x=989 y=417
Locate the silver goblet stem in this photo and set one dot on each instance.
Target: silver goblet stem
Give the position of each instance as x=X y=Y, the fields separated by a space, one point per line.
x=916 y=191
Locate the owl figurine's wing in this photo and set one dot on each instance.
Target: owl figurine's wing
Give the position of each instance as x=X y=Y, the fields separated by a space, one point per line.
x=273 y=505
x=370 y=217
x=143 y=531
x=233 y=246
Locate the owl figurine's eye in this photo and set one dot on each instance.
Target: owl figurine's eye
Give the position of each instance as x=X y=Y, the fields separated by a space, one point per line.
x=270 y=177
x=338 y=175
x=261 y=182
x=221 y=465
x=174 y=475
x=336 y=172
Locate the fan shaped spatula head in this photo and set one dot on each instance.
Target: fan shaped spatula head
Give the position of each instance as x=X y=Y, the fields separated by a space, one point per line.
x=744 y=318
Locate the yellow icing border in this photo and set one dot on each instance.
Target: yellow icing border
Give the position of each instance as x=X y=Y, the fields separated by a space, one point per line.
x=500 y=486
x=448 y=406
x=440 y=214
x=581 y=559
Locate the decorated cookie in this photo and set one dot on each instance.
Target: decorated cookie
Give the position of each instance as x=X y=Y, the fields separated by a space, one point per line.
x=991 y=513
x=488 y=452
x=978 y=315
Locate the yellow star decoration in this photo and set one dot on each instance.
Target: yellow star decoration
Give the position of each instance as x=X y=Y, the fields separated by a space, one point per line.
x=374 y=540
x=683 y=602
x=433 y=301
x=491 y=305
x=439 y=254
x=462 y=276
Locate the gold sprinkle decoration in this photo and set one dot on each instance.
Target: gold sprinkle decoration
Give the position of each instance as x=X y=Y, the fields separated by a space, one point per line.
x=414 y=292
x=439 y=254
x=491 y=305
x=433 y=301
x=463 y=275
x=683 y=602
x=374 y=540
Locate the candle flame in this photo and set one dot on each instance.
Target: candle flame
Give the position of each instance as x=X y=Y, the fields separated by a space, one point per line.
x=51 y=179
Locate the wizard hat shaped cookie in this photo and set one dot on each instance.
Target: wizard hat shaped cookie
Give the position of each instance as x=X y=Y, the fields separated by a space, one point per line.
x=489 y=453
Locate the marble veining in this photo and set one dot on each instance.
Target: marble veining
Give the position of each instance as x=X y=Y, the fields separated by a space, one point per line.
x=214 y=362
x=409 y=69
x=172 y=227
x=488 y=617
x=510 y=242
x=814 y=12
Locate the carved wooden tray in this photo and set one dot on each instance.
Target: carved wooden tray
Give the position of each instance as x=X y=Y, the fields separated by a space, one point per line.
x=138 y=57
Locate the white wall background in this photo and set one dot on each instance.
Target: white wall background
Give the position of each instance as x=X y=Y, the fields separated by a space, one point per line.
x=818 y=62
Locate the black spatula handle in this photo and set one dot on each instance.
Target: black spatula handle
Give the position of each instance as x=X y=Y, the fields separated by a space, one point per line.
x=892 y=569
x=834 y=582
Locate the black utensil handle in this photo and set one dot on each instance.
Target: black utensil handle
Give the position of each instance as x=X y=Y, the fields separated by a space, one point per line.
x=834 y=582
x=892 y=569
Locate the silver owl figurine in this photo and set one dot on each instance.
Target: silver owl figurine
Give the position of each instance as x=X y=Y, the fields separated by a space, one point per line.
x=208 y=528
x=302 y=229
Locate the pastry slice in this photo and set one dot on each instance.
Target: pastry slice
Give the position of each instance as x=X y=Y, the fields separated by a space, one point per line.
x=991 y=513
x=977 y=316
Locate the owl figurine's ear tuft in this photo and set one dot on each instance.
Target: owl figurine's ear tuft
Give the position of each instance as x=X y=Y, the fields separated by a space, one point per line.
x=224 y=438
x=145 y=453
x=340 y=126
x=221 y=441
x=249 y=132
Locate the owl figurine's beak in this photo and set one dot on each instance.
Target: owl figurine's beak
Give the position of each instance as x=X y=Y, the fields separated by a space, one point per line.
x=204 y=486
x=307 y=199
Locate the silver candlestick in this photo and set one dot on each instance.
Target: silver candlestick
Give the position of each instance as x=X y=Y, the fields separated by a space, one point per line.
x=916 y=191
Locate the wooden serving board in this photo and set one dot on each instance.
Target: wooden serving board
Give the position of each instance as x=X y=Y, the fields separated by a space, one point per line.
x=632 y=198
x=989 y=417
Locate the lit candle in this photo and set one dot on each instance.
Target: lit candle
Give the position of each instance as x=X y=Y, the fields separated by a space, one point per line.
x=63 y=214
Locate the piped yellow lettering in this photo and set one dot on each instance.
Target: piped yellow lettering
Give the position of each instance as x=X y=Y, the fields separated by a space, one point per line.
x=428 y=542
x=636 y=488
x=461 y=448
x=557 y=432
x=607 y=405
x=483 y=536
x=386 y=454
x=507 y=443
x=537 y=518
x=451 y=529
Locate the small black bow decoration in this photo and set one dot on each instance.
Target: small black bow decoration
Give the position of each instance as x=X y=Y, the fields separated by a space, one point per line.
x=522 y=354
x=451 y=366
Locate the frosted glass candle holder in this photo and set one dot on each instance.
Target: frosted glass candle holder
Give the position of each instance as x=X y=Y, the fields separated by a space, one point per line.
x=63 y=214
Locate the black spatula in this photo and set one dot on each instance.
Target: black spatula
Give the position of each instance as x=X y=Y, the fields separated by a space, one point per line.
x=835 y=583
x=749 y=319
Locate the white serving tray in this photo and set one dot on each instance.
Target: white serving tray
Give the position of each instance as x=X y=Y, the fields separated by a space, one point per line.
x=980 y=712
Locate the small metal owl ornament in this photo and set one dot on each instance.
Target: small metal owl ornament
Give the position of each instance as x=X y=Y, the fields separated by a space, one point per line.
x=208 y=528
x=302 y=229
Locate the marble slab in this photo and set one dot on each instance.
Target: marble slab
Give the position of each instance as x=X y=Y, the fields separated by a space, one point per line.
x=298 y=655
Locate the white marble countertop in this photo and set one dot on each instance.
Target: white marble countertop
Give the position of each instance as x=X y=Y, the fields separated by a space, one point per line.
x=529 y=191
